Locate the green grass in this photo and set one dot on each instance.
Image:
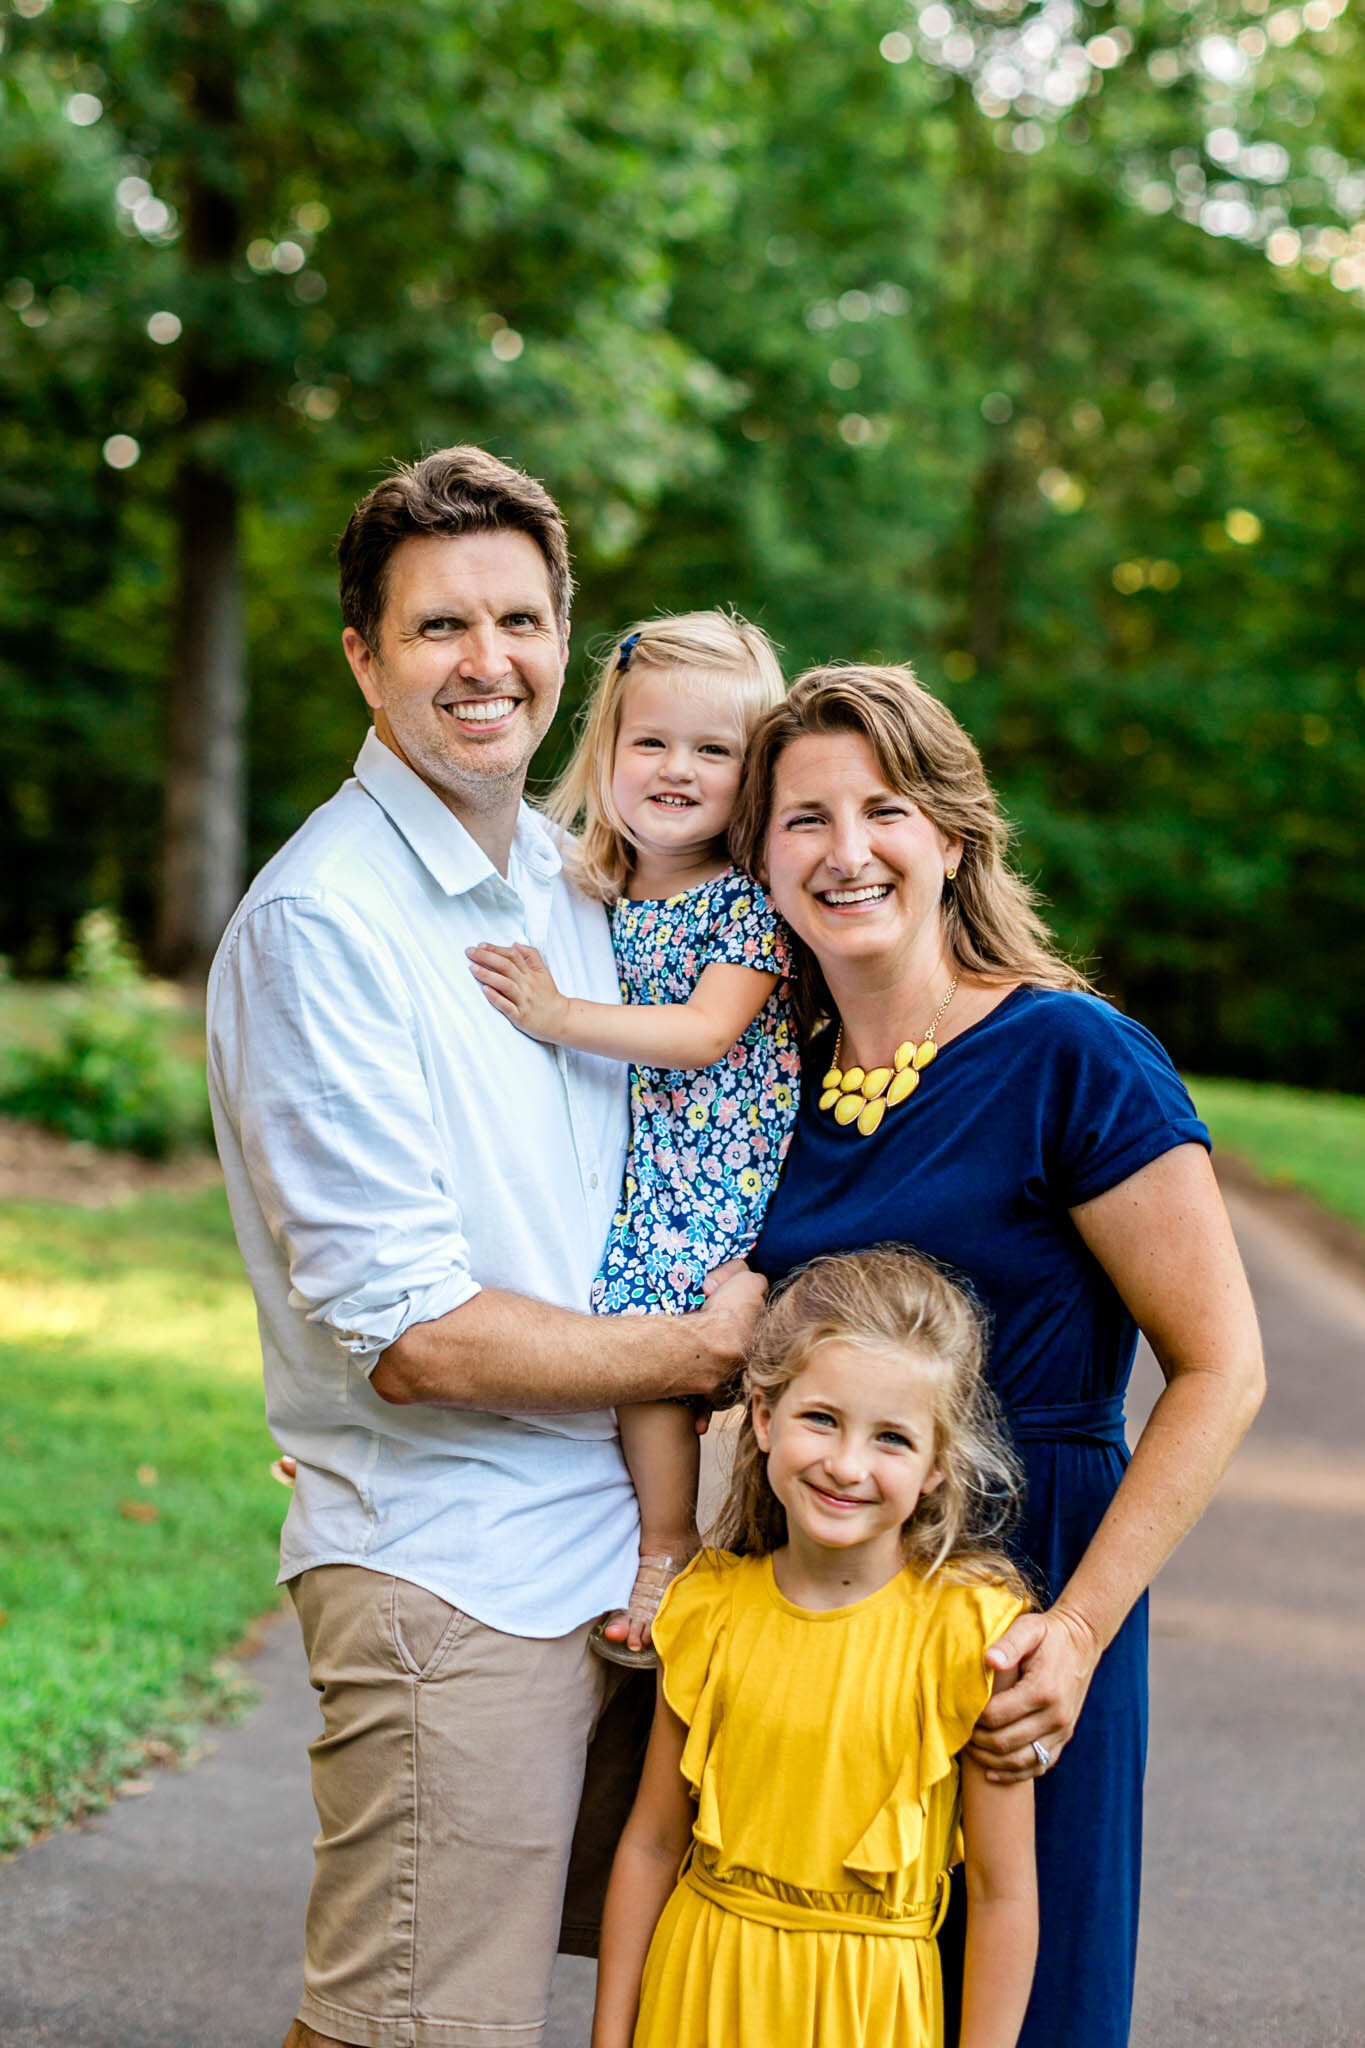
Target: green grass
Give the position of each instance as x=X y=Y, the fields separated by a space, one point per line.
x=1293 y=1136
x=129 y=1380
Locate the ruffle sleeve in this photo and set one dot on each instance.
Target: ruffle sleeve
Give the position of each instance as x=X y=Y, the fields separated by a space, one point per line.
x=952 y=1685
x=743 y=929
x=689 y=1634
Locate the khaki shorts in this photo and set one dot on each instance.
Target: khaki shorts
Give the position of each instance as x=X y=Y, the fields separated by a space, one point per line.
x=462 y=1776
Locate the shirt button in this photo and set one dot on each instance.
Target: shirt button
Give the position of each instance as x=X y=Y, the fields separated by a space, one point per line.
x=592 y=1180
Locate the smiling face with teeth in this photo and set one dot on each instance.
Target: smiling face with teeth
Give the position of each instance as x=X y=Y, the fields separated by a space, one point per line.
x=855 y=866
x=675 y=774
x=466 y=676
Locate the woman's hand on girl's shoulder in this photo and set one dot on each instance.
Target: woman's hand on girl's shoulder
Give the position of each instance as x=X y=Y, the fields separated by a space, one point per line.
x=1043 y=1666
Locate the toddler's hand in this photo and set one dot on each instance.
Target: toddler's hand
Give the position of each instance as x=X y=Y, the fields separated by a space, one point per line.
x=517 y=982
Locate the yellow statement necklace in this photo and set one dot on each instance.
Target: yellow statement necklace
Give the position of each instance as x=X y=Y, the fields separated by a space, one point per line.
x=864 y=1096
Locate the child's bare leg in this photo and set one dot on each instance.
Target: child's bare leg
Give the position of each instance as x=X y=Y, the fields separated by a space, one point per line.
x=663 y=1454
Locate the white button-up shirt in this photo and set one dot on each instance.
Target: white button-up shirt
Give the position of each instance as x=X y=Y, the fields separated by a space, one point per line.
x=391 y=1144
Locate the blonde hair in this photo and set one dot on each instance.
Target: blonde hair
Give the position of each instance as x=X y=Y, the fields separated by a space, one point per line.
x=706 y=651
x=889 y=1300
x=990 y=920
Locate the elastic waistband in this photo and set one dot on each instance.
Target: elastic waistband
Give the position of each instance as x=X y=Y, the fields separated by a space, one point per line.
x=920 y=1924
x=1070 y=1422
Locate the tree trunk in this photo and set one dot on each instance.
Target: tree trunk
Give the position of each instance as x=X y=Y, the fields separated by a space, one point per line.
x=202 y=860
x=203 y=853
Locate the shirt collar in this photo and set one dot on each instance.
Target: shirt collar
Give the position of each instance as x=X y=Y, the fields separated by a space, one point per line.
x=455 y=862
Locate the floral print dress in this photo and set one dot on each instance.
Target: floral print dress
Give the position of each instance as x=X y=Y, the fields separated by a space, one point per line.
x=706 y=1146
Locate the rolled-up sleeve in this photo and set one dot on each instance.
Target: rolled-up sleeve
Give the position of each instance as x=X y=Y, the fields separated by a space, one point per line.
x=319 y=1069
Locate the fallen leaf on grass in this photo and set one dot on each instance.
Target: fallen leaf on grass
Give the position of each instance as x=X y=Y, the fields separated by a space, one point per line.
x=146 y=1475
x=138 y=1511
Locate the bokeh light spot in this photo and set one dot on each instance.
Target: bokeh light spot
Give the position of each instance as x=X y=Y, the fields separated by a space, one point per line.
x=121 y=451
x=1242 y=526
x=151 y=216
x=1065 y=493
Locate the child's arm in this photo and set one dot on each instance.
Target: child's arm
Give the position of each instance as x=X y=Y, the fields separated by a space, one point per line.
x=1002 y=1908
x=696 y=1033
x=643 y=1875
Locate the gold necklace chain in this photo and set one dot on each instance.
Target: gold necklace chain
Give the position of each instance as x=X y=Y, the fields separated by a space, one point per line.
x=863 y=1096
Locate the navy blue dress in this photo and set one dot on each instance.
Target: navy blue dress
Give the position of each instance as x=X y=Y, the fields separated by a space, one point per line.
x=1050 y=1100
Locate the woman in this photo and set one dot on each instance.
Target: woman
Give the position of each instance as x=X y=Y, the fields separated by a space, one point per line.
x=970 y=1097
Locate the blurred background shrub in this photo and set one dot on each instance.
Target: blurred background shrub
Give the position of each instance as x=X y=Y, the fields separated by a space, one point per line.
x=114 y=1077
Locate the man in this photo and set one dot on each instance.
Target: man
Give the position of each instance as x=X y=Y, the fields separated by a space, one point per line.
x=421 y=1196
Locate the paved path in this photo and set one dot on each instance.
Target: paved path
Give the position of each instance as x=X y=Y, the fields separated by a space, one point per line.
x=175 y=1920
x=1253 y=1931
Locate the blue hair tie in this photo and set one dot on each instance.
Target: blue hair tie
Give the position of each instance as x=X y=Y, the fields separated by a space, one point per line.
x=628 y=646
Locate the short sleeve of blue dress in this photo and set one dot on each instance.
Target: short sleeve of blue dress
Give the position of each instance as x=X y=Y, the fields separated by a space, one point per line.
x=1048 y=1102
x=706 y=1146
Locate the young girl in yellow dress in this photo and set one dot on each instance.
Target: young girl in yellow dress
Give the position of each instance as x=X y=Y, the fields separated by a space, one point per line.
x=822 y=1673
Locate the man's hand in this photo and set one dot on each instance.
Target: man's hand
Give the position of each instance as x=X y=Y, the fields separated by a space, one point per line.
x=517 y=982
x=718 y=1275
x=1045 y=1664
x=734 y=1302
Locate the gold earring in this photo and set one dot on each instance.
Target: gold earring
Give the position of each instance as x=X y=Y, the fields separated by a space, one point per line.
x=948 y=874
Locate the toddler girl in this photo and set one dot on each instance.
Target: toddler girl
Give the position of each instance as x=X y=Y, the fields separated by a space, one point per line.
x=822 y=1674
x=704 y=1017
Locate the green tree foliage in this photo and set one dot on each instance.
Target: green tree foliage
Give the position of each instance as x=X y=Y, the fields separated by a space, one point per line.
x=1021 y=340
x=297 y=240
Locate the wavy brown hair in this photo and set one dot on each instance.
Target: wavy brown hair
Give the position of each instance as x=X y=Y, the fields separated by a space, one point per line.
x=990 y=918
x=712 y=653
x=889 y=1300
x=452 y=491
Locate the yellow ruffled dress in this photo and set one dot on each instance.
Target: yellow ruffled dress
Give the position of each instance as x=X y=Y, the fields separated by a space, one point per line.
x=822 y=1753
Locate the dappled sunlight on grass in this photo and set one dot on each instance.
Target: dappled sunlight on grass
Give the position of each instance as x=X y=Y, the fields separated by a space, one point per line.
x=158 y=1281
x=139 y=1522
